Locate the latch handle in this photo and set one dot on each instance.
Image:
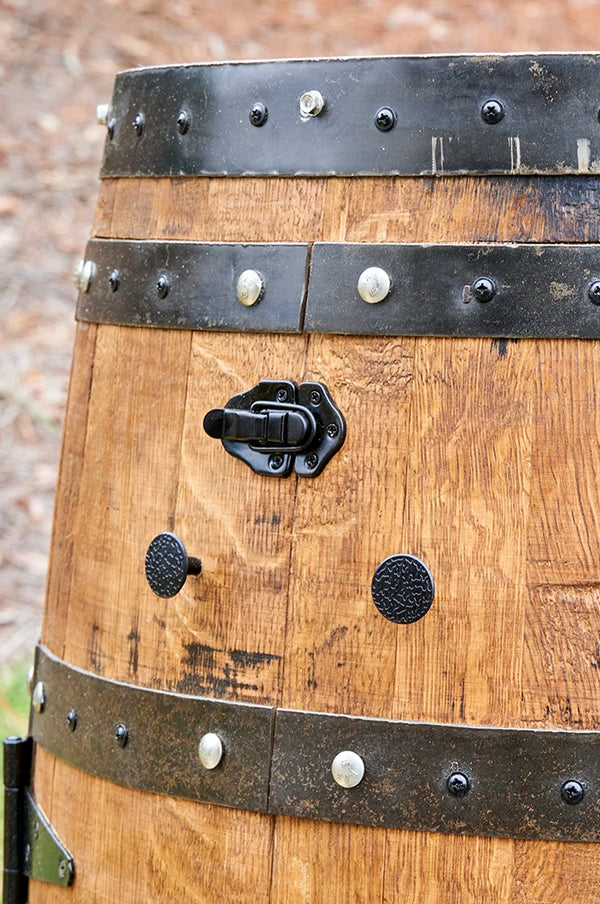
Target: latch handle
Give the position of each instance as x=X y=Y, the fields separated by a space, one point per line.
x=277 y=427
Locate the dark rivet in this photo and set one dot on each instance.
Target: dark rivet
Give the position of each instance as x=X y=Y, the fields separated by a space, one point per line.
x=572 y=792
x=110 y=128
x=72 y=720
x=332 y=430
x=594 y=292
x=458 y=784
x=258 y=115
x=114 y=280
x=483 y=289
x=275 y=462
x=183 y=122
x=315 y=397
x=281 y=395
x=311 y=461
x=492 y=112
x=162 y=287
x=121 y=735
x=138 y=124
x=385 y=119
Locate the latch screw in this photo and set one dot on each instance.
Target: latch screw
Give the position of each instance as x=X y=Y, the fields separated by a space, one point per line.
x=483 y=289
x=385 y=119
x=594 y=292
x=183 y=122
x=258 y=115
x=458 y=784
x=492 y=112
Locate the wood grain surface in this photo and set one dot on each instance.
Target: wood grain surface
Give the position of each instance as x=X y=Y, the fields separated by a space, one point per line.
x=478 y=456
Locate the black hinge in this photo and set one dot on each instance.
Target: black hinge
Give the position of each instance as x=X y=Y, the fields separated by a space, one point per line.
x=31 y=848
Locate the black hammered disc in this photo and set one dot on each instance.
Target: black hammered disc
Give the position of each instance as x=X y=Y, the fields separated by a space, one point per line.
x=166 y=565
x=402 y=589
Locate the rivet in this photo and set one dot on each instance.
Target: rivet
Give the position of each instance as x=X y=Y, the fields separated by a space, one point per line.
x=62 y=869
x=332 y=430
x=315 y=397
x=110 y=128
x=275 y=462
x=121 y=735
x=138 y=124
x=348 y=769
x=374 y=285
x=281 y=395
x=162 y=287
x=72 y=720
x=258 y=115
x=458 y=784
x=572 y=792
x=311 y=103
x=114 y=280
x=183 y=122
x=492 y=112
x=27 y=852
x=210 y=750
x=311 y=461
x=38 y=698
x=594 y=292
x=385 y=119
x=483 y=289
x=250 y=287
x=85 y=272
x=36 y=830
x=30 y=678
x=102 y=114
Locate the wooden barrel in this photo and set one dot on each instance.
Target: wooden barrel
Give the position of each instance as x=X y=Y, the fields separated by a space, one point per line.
x=397 y=513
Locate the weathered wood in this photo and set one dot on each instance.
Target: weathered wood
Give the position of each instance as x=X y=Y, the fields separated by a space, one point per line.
x=477 y=456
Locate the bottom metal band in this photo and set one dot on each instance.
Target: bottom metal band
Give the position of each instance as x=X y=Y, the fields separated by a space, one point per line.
x=468 y=780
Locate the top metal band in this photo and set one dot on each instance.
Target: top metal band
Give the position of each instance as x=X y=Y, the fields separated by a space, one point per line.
x=524 y=114
x=459 y=779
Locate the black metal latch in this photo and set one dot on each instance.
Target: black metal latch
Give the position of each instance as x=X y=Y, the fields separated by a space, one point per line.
x=31 y=848
x=278 y=425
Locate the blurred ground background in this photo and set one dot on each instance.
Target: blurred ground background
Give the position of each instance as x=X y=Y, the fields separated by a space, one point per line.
x=57 y=61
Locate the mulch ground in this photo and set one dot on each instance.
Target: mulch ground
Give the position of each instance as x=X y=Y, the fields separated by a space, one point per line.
x=57 y=61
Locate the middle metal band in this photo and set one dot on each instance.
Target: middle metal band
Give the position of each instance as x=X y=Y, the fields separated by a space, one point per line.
x=471 y=780
x=496 y=290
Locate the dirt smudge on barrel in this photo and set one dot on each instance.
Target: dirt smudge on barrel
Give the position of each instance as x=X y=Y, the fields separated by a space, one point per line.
x=94 y=650
x=233 y=674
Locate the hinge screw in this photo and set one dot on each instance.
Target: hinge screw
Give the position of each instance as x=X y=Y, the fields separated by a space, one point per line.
x=121 y=735
x=250 y=288
x=374 y=285
x=183 y=122
x=348 y=769
x=311 y=461
x=483 y=289
x=385 y=119
x=275 y=462
x=38 y=698
x=311 y=103
x=281 y=395
x=210 y=750
x=72 y=720
x=572 y=792
x=162 y=287
x=138 y=124
x=315 y=397
x=258 y=115
x=332 y=430
x=114 y=280
x=492 y=112
x=594 y=292
x=458 y=784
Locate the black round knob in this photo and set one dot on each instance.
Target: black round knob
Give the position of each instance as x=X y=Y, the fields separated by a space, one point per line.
x=402 y=589
x=168 y=565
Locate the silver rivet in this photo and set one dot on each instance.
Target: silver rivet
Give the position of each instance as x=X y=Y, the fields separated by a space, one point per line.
x=30 y=677
x=102 y=114
x=250 y=287
x=374 y=285
x=85 y=271
x=62 y=869
x=38 y=698
x=348 y=769
x=311 y=103
x=210 y=750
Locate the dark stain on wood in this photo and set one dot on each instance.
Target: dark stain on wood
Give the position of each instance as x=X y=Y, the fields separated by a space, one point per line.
x=228 y=674
x=94 y=650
